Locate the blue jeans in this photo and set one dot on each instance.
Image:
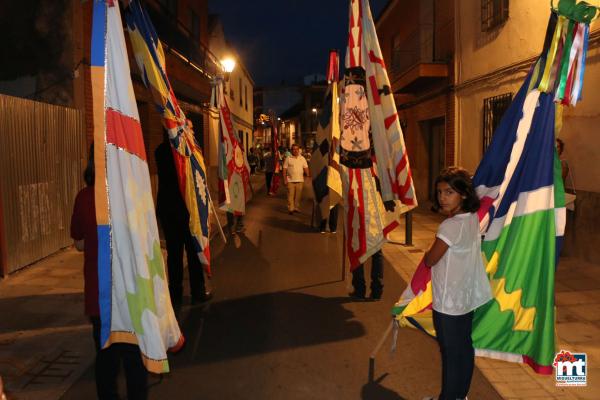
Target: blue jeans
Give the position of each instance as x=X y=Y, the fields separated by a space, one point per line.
x=458 y=356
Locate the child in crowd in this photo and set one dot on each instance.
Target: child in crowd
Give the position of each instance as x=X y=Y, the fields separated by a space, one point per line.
x=458 y=278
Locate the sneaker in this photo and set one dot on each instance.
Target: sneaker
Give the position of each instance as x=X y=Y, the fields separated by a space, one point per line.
x=333 y=232
x=323 y=231
x=240 y=229
x=291 y=212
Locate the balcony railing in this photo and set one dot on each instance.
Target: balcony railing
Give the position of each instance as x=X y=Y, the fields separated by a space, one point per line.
x=415 y=49
x=174 y=35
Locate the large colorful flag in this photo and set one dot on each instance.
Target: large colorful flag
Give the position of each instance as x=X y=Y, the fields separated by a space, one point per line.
x=522 y=216
x=324 y=169
x=234 y=170
x=133 y=292
x=187 y=154
x=374 y=164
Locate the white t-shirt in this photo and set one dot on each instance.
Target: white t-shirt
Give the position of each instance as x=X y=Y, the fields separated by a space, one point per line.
x=459 y=281
x=295 y=168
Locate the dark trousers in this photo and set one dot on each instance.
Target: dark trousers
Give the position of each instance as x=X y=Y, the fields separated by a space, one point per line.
x=234 y=222
x=333 y=220
x=108 y=364
x=358 y=277
x=268 y=179
x=458 y=356
x=177 y=238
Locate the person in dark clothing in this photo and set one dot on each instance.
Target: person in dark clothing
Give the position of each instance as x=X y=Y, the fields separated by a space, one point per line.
x=333 y=220
x=174 y=220
x=108 y=360
x=252 y=160
x=358 y=279
x=269 y=169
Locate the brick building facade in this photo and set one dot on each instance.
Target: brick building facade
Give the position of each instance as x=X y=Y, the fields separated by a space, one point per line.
x=419 y=56
x=182 y=26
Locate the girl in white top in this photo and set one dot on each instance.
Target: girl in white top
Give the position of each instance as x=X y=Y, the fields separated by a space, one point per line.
x=459 y=281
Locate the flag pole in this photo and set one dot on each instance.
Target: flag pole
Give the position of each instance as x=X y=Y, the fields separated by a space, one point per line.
x=212 y=206
x=344 y=250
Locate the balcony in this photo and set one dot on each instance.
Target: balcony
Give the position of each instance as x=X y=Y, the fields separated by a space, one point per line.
x=176 y=37
x=415 y=64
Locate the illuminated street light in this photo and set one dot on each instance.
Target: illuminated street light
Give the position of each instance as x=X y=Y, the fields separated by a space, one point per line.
x=314 y=110
x=228 y=65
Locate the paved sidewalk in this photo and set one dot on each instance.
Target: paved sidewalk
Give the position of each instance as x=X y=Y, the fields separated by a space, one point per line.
x=45 y=339
x=578 y=318
x=42 y=363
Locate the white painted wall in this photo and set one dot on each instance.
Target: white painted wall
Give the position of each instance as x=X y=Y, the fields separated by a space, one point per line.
x=521 y=37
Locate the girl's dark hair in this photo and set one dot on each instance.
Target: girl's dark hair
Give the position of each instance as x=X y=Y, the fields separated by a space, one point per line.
x=459 y=180
x=560 y=145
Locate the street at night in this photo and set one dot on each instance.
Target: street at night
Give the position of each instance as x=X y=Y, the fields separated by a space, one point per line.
x=264 y=200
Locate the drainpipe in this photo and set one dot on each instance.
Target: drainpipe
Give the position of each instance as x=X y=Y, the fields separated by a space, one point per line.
x=3 y=247
x=408 y=229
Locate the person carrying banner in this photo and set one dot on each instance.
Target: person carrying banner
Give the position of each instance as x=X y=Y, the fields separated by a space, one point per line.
x=459 y=282
x=174 y=220
x=269 y=169
x=108 y=360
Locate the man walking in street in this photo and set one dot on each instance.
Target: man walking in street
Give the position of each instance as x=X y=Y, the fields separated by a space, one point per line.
x=295 y=168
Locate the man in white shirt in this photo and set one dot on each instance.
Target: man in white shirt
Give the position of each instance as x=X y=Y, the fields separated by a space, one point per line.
x=295 y=168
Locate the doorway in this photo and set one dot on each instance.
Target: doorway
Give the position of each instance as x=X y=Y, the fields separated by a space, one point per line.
x=433 y=133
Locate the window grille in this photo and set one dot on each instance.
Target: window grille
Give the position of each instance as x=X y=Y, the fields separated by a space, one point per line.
x=493 y=14
x=493 y=110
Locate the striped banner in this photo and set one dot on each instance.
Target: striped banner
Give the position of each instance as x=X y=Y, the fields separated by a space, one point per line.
x=133 y=292
x=234 y=170
x=187 y=154
x=374 y=165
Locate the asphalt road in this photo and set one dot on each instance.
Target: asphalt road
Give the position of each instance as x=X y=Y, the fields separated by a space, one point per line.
x=282 y=327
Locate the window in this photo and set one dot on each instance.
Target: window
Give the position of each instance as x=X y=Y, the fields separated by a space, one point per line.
x=493 y=14
x=493 y=110
x=194 y=25
x=246 y=97
x=241 y=138
x=240 y=86
x=231 y=91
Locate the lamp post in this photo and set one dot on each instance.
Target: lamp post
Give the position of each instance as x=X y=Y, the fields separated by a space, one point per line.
x=228 y=64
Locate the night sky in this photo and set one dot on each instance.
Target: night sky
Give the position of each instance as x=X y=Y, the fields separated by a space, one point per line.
x=284 y=40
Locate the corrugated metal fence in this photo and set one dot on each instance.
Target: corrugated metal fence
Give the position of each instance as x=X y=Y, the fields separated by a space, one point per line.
x=42 y=156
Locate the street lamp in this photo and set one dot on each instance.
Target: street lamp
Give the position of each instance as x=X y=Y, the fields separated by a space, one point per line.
x=228 y=64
